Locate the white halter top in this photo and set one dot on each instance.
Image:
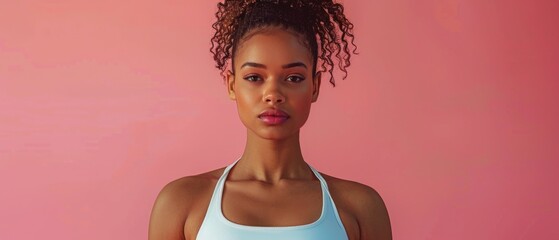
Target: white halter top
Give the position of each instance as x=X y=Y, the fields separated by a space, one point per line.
x=216 y=227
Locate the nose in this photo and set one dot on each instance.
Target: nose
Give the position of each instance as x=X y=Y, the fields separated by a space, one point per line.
x=274 y=98
x=272 y=93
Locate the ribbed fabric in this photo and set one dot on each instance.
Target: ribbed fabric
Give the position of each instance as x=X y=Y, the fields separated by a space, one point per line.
x=216 y=227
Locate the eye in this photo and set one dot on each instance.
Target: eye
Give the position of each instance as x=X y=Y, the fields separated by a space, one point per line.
x=252 y=78
x=295 y=78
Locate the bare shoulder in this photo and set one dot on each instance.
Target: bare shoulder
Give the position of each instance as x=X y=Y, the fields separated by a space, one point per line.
x=189 y=186
x=176 y=200
x=353 y=191
x=363 y=203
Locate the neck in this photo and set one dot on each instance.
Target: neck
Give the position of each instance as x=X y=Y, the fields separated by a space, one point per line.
x=272 y=160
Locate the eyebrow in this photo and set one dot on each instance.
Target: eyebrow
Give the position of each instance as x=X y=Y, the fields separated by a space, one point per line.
x=259 y=65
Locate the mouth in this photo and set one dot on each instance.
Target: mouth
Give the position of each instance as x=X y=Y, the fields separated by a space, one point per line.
x=273 y=116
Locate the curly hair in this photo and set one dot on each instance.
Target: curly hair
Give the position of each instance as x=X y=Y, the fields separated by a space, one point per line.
x=325 y=29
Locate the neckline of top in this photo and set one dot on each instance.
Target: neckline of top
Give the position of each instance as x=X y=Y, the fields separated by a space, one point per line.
x=220 y=187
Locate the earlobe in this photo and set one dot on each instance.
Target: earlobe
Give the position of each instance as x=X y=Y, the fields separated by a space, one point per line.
x=316 y=86
x=230 y=81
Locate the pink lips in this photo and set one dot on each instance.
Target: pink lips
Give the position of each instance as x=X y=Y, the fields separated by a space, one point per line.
x=273 y=116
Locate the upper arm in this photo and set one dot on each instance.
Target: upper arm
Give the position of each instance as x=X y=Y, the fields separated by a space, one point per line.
x=168 y=214
x=374 y=222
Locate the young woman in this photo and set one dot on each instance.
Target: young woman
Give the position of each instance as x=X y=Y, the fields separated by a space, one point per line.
x=270 y=192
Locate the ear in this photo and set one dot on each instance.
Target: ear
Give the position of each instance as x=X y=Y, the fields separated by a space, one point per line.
x=316 y=86
x=230 y=82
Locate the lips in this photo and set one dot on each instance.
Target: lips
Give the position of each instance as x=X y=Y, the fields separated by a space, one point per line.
x=273 y=116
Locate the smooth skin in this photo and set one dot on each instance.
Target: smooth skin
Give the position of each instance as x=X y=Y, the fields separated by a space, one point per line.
x=271 y=185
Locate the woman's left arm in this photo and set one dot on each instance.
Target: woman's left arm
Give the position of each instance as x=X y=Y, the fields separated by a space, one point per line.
x=374 y=223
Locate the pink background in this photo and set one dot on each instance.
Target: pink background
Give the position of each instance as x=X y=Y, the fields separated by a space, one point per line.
x=450 y=112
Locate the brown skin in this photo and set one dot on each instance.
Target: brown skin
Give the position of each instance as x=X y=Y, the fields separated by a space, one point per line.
x=271 y=185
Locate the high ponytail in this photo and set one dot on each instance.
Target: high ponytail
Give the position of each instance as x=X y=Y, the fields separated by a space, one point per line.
x=322 y=24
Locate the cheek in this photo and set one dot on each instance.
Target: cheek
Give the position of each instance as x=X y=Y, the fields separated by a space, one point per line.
x=245 y=101
x=302 y=103
x=304 y=106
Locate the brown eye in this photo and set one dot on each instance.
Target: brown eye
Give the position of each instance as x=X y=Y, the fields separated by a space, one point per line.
x=252 y=78
x=295 y=78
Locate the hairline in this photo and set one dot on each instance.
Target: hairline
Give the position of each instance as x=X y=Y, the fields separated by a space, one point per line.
x=268 y=28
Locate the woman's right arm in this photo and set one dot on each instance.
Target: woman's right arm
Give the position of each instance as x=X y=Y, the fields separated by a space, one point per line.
x=169 y=212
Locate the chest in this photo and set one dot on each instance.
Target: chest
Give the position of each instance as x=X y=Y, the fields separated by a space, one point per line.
x=260 y=205
x=255 y=204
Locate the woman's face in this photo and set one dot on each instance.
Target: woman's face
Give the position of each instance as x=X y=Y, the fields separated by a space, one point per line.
x=273 y=83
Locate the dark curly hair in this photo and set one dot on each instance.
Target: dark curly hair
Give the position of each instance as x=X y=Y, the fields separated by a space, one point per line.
x=325 y=29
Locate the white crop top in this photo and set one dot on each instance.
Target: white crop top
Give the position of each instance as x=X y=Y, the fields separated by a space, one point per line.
x=216 y=227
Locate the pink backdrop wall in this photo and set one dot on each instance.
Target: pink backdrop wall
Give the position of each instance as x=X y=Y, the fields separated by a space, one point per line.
x=450 y=112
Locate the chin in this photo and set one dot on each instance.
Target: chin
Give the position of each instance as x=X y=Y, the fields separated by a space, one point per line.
x=275 y=134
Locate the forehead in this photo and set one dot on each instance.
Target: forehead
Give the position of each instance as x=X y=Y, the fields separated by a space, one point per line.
x=273 y=46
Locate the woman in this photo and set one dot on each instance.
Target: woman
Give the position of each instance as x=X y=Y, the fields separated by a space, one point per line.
x=270 y=192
